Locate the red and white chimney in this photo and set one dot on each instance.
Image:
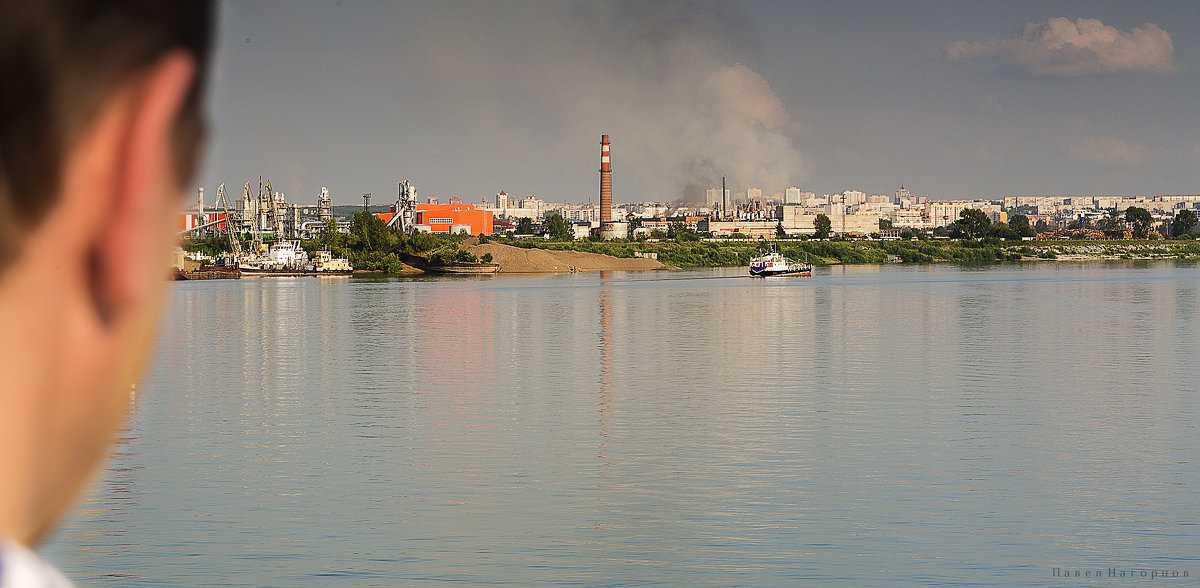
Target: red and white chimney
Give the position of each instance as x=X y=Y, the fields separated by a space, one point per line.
x=605 y=182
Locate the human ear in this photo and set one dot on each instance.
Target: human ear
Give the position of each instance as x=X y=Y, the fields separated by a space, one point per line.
x=140 y=190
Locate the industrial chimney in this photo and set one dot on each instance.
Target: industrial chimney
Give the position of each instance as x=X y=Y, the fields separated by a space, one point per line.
x=609 y=229
x=605 y=184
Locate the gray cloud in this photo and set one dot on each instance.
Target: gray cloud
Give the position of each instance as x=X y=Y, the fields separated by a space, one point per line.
x=1062 y=47
x=1107 y=151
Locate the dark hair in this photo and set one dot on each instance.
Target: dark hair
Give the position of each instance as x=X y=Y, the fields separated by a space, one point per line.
x=59 y=60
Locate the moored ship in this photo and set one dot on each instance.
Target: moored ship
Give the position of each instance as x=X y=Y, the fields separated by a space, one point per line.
x=286 y=258
x=774 y=263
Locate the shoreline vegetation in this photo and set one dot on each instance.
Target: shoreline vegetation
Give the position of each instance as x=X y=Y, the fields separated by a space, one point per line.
x=522 y=255
x=734 y=252
x=371 y=247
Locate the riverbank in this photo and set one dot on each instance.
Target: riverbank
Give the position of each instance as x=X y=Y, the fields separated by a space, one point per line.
x=538 y=256
x=730 y=253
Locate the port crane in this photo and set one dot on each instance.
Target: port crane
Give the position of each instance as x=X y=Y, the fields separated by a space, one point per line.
x=235 y=244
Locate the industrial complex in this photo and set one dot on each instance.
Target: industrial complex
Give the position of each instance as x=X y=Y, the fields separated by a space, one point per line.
x=748 y=213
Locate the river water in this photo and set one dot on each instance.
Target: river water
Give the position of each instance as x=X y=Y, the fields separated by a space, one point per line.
x=899 y=425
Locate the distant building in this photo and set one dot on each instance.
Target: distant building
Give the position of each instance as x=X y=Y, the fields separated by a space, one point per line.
x=751 y=229
x=448 y=218
x=792 y=195
x=796 y=220
x=714 y=197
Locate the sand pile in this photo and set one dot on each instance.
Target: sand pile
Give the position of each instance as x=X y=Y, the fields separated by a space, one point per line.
x=515 y=260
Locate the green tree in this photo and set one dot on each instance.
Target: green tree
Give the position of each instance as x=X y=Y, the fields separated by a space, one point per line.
x=1020 y=224
x=906 y=234
x=823 y=225
x=1112 y=222
x=370 y=233
x=558 y=228
x=331 y=239
x=885 y=224
x=681 y=232
x=973 y=223
x=1139 y=220
x=1184 y=221
x=779 y=232
x=1041 y=226
x=207 y=245
x=1003 y=231
x=524 y=226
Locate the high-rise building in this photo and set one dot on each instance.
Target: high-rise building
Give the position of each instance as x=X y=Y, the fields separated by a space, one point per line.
x=901 y=195
x=714 y=197
x=792 y=196
x=753 y=194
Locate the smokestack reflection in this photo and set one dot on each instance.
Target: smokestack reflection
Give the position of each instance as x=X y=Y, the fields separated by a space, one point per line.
x=606 y=350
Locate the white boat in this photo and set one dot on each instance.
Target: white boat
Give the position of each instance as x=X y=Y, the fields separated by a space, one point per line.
x=774 y=263
x=287 y=258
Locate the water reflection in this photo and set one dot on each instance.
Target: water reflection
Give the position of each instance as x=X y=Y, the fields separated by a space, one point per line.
x=606 y=351
x=683 y=428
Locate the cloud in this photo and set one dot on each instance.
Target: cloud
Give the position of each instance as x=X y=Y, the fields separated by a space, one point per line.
x=1106 y=150
x=1062 y=47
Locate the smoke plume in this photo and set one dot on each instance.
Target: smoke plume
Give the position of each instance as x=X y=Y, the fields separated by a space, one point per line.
x=663 y=79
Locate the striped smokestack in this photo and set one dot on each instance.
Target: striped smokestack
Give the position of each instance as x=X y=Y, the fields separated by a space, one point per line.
x=605 y=183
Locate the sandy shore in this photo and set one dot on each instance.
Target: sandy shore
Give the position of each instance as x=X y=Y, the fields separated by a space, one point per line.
x=515 y=260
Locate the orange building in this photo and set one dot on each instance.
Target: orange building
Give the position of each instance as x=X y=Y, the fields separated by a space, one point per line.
x=440 y=218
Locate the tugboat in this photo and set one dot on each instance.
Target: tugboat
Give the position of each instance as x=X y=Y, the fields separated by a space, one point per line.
x=774 y=263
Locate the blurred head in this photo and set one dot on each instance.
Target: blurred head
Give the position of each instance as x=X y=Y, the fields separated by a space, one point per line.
x=100 y=127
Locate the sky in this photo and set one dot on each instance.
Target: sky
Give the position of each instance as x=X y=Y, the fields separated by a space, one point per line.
x=951 y=100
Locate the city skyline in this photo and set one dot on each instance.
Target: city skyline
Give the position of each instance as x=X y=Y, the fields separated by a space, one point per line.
x=972 y=101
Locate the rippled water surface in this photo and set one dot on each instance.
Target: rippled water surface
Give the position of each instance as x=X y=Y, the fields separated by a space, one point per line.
x=865 y=426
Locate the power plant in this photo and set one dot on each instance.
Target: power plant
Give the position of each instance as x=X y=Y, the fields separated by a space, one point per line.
x=609 y=229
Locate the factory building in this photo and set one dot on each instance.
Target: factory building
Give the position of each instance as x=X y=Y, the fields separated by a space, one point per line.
x=453 y=218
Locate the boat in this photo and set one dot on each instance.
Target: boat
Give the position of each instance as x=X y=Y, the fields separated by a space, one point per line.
x=325 y=264
x=208 y=272
x=463 y=267
x=453 y=267
x=286 y=258
x=774 y=263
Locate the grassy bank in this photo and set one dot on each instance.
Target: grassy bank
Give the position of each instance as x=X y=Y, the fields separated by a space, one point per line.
x=738 y=252
x=693 y=254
